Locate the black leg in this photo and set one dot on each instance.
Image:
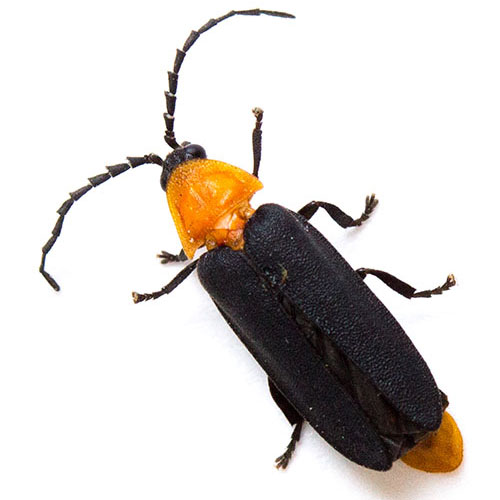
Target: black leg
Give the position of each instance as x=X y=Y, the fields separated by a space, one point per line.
x=167 y=257
x=95 y=181
x=257 y=140
x=141 y=297
x=340 y=217
x=294 y=418
x=403 y=288
x=173 y=76
x=283 y=460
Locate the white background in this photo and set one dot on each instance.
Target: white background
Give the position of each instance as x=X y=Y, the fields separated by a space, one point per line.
x=104 y=399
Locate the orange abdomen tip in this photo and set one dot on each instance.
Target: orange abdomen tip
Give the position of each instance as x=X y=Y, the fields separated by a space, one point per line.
x=209 y=202
x=442 y=451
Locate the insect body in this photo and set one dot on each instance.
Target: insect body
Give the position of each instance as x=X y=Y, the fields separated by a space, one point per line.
x=334 y=355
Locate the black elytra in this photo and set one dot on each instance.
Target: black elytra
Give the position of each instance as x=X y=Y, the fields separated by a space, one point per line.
x=334 y=355
x=330 y=347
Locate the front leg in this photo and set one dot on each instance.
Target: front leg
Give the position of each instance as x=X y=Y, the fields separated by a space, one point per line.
x=166 y=257
x=257 y=140
x=340 y=217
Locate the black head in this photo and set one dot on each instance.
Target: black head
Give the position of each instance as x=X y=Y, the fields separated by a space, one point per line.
x=180 y=155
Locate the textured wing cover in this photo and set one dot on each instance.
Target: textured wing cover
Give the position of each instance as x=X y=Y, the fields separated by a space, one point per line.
x=313 y=276
x=274 y=339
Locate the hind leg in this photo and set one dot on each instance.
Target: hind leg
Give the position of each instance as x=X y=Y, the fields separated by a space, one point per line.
x=294 y=418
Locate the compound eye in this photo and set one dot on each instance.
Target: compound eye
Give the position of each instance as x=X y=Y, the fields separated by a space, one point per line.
x=194 y=151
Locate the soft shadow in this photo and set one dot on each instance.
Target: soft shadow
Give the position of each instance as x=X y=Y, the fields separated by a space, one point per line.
x=399 y=483
x=402 y=482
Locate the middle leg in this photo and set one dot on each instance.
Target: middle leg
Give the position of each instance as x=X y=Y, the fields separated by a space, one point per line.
x=141 y=297
x=340 y=217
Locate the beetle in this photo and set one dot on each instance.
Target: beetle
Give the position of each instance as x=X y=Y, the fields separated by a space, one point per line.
x=334 y=355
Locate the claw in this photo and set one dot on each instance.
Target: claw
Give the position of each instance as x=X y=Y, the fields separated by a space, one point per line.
x=371 y=203
x=282 y=461
x=165 y=257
